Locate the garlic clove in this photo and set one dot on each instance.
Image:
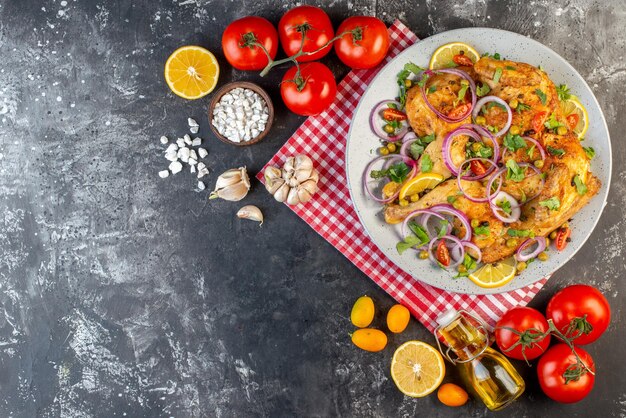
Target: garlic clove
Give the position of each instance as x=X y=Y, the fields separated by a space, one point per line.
x=228 y=178
x=289 y=166
x=233 y=193
x=310 y=186
x=304 y=195
x=303 y=162
x=282 y=192
x=232 y=185
x=244 y=177
x=272 y=173
x=273 y=185
x=292 y=197
x=251 y=212
x=315 y=176
x=303 y=174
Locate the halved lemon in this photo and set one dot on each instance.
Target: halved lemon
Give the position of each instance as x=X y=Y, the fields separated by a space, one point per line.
x=442 y=58
x=420 y=183
x=191 y=72
x=417 y=368
x=574 y=106
x=494 y=274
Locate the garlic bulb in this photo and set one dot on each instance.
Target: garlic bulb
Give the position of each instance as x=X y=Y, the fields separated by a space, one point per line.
x=232 y=185
x=251 y=212
x=296 y=183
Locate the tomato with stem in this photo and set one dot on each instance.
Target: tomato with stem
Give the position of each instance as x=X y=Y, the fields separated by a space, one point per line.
x=250 y=43
x=308 y=89
x=566 y=375
x=364 y=42
x=307 y=29
x=522 y=333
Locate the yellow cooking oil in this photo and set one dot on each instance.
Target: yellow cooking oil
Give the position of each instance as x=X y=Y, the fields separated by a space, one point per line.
x=487 y=373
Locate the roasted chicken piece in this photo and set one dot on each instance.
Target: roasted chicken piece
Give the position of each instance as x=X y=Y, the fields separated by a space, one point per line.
x=530 y=87
x=442 y=91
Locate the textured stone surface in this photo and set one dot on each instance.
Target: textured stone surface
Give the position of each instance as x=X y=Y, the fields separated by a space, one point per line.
x=123 y=294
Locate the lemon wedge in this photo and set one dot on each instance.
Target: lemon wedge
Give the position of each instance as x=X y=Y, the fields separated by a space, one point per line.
x=443 y=56
x=494 y=274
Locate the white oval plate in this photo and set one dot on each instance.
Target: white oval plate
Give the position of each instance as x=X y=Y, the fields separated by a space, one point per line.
x=362 y=144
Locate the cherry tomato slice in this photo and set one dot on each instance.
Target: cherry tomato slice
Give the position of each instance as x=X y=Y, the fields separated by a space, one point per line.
x=443 y=255
x=393 y=114
x=562 y=237
x=537 y=122
x=572 y=120
x=461 y=59
x=460 y=110
x=478 y=167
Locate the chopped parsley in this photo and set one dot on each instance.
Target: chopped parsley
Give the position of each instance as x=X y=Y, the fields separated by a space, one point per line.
x=417 y=148
x=505 y=205
x=397 y=173
x=478 y=149
x=432 y=89
x=552 y=123
x=542 y=96
x=521 y=233
x=427 y=163
x=497 y=75
x=443 y=228
x=495 y=56
x=482 y=90
x=531 y=152
x=469 y=263
x=581 y=187
x=514 y=172
x=452 y=199
x=418 y=238
x=403 y=75
x=482 y=230
x=461 y=94
x=521 y=107
x=590 y=152
x=511 y=68
x=553 y=203
x=559 y=152
x=514 y=142
x=563 y=92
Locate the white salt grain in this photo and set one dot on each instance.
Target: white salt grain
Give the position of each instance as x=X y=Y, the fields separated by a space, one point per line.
x=164 y=173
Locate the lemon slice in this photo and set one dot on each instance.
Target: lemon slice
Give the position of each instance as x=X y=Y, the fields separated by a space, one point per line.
x=191 y=72
x=417 y=369
x=574 y=106
x=494 y=274
x=442 y=58
x=420 y=183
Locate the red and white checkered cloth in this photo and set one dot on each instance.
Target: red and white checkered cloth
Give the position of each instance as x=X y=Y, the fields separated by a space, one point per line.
x=332 y=215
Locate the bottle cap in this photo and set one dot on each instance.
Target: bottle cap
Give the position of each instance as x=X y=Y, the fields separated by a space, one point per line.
x=447 y=317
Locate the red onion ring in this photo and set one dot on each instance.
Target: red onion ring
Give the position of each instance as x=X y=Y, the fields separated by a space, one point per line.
x=406 y=145
x=498 y=100
x=488 y=194
x=428 y=213
x=541 y=246
x=447 y=143
x=449 y=210
x=459 y=73
x=378 y=130
x=482 y=131
x=409 y=136
x=456 y=241
x=364 y=178
x=474 y=247
x=515 y=207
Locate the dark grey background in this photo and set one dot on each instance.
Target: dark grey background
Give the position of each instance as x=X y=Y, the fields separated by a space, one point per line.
x=122 y=294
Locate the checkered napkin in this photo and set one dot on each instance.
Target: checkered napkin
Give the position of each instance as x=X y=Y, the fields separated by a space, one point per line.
x=332 y=215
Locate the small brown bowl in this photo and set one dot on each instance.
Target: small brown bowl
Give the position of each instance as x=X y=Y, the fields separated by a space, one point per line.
x=245 y=85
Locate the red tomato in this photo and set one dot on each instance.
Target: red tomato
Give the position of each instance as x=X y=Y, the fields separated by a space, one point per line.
x=310 y=93
x=367 y=43
x=240 y=43
x=584 y=308
x=393 y=114
x=459 y=111
x=537 y=122
x=478 y=168
x=557 y=376
x=461 y=59
x=562 y=238
x=443 y=255
x=519 y=333
x=317 y=27
x=572 y=120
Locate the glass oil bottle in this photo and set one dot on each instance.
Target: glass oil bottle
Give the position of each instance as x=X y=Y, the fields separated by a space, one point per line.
x=487 y=373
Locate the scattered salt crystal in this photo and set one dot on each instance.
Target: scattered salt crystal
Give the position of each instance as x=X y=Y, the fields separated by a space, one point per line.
x=192 y=169
x=175 y=167
x=202 y=152
x=192 y=122
x=196 y=142
x=201 y=185
x=164 y=140
x=164 y=173
x=180 y=142
x=194 y=129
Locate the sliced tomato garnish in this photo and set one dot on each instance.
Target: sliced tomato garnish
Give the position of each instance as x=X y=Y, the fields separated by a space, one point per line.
x=562 y=238
x=572 y=120
x=478 y=167
x=443 y=255
x=537 y=122
x=461 y=59
x=460 y=110
x=393 y=114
